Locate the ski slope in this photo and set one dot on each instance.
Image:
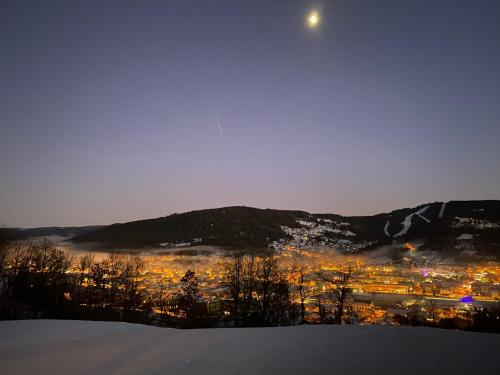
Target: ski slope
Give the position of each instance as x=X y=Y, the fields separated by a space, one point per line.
x=407 y=221
x=441 y=210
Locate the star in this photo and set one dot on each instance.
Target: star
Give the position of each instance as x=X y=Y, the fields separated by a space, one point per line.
x=313 y=19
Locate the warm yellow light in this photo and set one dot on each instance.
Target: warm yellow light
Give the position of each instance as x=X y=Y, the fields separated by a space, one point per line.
x=313 y=19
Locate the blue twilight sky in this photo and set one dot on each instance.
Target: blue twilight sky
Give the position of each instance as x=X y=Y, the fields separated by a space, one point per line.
x=113 y=111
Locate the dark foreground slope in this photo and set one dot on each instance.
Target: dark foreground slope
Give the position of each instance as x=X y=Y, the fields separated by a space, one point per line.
x=79 y=347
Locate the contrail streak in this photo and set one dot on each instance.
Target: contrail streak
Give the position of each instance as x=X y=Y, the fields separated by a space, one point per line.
x=219 y=125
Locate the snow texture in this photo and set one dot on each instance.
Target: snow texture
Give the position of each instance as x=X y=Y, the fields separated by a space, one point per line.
x=79 y=347
x=407 y=221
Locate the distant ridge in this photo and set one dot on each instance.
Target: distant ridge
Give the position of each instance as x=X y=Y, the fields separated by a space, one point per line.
x=236 y=226
x=62 y=232
x=239 y=226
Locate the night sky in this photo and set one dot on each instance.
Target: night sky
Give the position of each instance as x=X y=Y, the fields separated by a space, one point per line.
x=114 y=111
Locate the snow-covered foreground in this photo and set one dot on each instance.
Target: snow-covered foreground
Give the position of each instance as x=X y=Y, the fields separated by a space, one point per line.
x=80 y=347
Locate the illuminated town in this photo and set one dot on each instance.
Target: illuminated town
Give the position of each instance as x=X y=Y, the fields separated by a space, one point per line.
x=383 y=290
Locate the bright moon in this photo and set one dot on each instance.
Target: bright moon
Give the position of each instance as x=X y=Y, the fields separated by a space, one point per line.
x=313 y=19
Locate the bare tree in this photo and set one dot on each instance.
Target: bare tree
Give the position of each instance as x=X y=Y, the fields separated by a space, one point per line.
x=250 y=269
x=323 y=311
x=338 y=290
x=268 y=273
x=130 y=283
x=160 y=299
x=299 y=283
x=34 y=278
x=280 y=302
x=232 y=281
x=85 y=265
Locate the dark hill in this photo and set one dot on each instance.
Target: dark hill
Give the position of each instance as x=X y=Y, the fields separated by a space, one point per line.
x=63 y=232
x=58 y=231
x=229 y=226
x=440 y=225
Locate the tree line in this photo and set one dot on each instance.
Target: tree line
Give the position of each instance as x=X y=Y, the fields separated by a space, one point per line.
x=38 y=280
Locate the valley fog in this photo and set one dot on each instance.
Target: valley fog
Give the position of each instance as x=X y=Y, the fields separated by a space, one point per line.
x=389 y=281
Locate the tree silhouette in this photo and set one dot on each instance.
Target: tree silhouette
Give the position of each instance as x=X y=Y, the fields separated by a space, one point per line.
x=339 y=291
x=188 y=297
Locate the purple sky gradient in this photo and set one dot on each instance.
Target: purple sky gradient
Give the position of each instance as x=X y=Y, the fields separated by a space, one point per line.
x=109 y=110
